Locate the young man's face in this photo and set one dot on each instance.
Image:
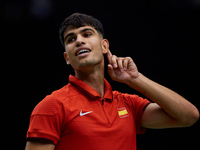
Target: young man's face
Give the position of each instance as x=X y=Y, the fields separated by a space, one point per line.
x=84 y=47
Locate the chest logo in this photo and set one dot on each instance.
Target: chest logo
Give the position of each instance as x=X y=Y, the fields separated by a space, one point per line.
x=122 y=112
x=83 y=114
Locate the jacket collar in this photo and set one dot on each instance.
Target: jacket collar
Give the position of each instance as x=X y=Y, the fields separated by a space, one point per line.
x=89 y=91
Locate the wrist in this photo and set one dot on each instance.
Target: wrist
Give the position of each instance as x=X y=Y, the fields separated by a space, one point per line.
x=133 y=80
x=136 y=83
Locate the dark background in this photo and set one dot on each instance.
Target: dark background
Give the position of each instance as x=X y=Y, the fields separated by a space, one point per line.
x=161 y=37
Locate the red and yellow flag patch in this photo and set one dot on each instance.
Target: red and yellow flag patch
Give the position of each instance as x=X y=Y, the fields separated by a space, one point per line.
x=122 y=112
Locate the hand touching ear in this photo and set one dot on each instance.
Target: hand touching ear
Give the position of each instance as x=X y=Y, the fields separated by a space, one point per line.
x=121 y=69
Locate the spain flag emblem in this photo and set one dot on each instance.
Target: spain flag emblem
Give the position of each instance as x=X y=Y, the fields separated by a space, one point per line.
x=122 y=112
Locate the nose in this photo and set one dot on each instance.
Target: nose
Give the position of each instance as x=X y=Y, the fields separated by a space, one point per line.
x=80 y=41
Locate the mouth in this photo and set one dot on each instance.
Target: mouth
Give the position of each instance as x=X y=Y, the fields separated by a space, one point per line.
x=82 y=51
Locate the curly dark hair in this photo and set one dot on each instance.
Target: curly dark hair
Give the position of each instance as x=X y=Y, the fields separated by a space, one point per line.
x=79 y=20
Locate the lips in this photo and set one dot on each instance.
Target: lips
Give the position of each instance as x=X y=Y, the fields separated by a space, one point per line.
x=82 y=50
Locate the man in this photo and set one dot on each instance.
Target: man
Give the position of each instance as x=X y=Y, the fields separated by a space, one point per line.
x=86 y=113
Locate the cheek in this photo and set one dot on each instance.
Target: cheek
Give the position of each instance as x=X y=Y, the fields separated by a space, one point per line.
x=95 y=42
x=69 y=50
x=97 y=46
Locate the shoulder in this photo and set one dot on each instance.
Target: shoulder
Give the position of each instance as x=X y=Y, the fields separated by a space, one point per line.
x=53 y=103
x=130 y=99
x=65 y=92
x=125 y=96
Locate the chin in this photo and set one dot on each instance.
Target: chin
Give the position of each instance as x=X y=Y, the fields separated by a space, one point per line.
x=88 y=64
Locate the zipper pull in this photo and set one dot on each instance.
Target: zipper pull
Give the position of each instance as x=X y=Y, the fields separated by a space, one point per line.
x=102 y=102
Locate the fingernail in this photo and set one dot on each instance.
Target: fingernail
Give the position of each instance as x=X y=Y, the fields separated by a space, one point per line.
x=121 y=70
x=109 y=66
x=124 y=68
x=115 y=65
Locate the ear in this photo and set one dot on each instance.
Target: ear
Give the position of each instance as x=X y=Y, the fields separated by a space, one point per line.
x=105 y=46
x=66 y=58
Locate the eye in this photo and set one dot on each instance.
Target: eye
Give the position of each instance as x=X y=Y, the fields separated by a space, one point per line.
x=71 y=39
x=87 y=34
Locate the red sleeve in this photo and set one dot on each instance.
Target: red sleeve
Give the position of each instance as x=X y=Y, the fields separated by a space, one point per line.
x=46 y=120
x=140 y=105
x=137 y=105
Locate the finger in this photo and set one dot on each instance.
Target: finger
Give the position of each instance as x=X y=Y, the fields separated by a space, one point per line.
x=125 y=63
x=109 y=56
x=110 y=67
x=111 y=71
x=120 y=63
x=114 y=61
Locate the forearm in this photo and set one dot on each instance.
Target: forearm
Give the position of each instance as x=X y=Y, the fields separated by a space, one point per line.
x=171 y=102
x=177 y=108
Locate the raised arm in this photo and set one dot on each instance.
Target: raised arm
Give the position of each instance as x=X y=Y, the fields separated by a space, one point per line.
x=169 y=110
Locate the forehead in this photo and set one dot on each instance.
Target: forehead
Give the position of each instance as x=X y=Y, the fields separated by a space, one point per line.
x=75 y=30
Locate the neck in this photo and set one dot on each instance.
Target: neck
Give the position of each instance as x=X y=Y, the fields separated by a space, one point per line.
x=94 y=77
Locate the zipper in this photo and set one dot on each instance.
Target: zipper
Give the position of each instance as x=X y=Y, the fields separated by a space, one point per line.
x=102 y=103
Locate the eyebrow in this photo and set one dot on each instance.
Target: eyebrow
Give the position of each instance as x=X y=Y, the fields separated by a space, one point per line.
x=84 y=30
